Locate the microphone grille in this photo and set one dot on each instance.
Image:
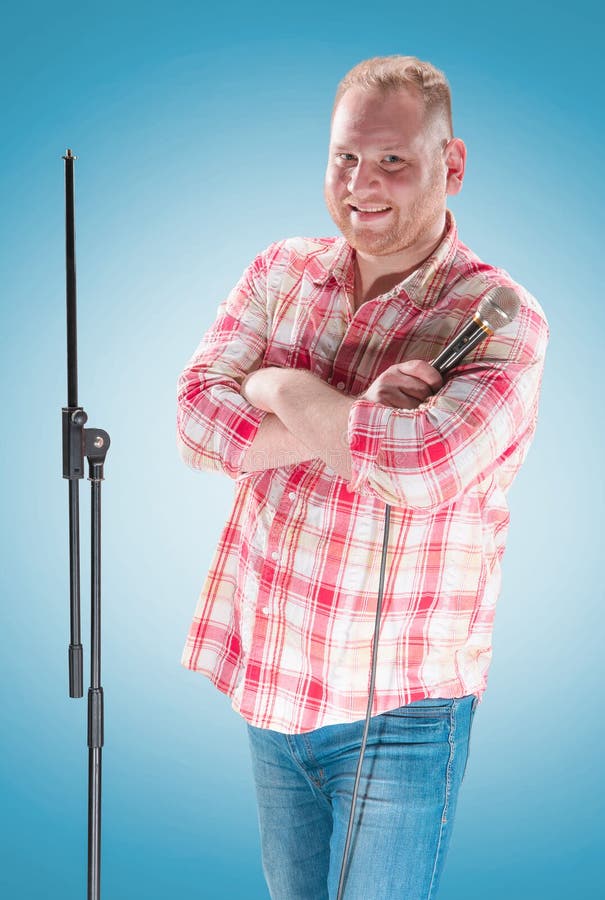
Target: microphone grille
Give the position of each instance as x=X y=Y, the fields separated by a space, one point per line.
x=498 y=307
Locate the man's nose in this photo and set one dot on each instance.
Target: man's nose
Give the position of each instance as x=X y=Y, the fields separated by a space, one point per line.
x=363 y=179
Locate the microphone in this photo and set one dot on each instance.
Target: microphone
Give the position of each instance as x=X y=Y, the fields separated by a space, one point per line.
x=499 y=307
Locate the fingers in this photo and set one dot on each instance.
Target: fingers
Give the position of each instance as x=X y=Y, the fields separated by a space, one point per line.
x=405 y=385
x=412 y=386
x=400 y=400
x=255 y=388
x=422 y=370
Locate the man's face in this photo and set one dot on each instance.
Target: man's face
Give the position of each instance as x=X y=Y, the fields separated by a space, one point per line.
x=383 y=154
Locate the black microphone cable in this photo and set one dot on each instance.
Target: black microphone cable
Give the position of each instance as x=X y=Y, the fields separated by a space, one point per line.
x=497 y=308
x=383 y=566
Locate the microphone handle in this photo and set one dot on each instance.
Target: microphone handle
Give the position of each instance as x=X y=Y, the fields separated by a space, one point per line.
x=471 y=335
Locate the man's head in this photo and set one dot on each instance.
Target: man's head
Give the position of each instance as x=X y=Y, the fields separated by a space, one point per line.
x=392 y=145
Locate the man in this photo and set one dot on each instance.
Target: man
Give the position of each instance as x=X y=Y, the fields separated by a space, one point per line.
x=314 y=391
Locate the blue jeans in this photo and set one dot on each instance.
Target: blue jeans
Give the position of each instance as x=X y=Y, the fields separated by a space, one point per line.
x=414 y=763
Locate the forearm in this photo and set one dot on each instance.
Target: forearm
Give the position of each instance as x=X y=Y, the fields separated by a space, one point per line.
x=274 y=446
x=316 y=415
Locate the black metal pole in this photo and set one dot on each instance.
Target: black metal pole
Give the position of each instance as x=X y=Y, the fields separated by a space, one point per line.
x=92 y=443
x=70 y=261
x=95 y=693
x=74 y=418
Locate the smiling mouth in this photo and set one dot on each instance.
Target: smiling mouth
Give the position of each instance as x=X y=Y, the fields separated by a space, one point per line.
x=369 y=209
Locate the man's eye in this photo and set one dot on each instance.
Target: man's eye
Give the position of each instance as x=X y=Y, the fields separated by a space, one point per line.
x=346 y=157
x=391 y=158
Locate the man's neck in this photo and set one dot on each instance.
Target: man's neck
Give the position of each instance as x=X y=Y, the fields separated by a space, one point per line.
x=375 y=275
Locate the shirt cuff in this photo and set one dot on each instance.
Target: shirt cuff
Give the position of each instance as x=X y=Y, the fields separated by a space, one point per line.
x=365 y=431
x=242 y=429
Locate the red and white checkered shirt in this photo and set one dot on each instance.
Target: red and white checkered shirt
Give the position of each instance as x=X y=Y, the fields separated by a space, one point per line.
x=285 y=621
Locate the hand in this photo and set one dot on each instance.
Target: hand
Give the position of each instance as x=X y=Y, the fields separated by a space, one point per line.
x=405 y=385
x=258 y=386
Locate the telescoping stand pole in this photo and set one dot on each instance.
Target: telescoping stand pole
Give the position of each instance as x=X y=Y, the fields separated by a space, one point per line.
x=92 y=443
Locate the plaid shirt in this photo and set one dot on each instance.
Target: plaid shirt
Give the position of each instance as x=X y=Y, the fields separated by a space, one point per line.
x=284 y=624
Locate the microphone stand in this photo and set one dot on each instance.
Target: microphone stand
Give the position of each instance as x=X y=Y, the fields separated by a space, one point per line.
x=92 y=443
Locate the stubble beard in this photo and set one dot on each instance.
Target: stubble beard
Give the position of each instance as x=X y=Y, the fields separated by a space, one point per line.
x=402 y=233
x=399 y=236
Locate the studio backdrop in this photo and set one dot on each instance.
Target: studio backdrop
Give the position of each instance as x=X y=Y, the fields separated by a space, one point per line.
x=202 y=137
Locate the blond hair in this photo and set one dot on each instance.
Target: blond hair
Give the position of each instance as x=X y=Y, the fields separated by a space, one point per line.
x=389 y=73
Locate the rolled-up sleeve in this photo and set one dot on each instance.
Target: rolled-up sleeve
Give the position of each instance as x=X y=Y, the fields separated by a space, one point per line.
x=215 y=424
x=486 y=410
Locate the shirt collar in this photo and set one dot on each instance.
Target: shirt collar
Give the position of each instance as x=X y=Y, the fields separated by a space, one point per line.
x=422 y=286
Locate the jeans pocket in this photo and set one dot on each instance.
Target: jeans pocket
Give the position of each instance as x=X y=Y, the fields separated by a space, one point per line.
x=422 y=708
x=470 y=728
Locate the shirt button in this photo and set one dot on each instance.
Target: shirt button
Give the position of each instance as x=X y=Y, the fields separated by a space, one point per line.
x=275 y=555
x=292 y=495
x=341 y=385
x=266 y=610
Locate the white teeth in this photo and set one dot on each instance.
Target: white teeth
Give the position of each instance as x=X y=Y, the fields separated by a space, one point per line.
x=377 y=209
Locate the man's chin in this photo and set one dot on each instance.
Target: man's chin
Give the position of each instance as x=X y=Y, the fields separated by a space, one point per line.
x=372 y=244
x=367 y=240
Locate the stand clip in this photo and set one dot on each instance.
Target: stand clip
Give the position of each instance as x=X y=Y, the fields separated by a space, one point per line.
x=74 y=420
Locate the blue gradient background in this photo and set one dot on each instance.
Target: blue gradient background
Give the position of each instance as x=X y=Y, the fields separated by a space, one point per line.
x=202 y=137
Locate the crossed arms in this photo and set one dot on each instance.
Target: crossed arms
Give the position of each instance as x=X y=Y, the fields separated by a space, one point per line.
x=309 y=419
x=397 y=441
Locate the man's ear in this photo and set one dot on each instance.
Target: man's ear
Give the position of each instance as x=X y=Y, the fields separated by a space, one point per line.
x=454 y=157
